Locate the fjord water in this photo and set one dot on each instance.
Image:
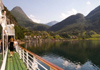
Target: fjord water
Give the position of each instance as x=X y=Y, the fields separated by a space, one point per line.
x=70 y=55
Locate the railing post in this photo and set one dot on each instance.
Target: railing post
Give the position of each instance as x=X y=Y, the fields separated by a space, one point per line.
x=20 y=53
x=23 y=55
x=51 y=68
x=34 y=64
x=16 y=48
x=19 y=50
x=27 y=59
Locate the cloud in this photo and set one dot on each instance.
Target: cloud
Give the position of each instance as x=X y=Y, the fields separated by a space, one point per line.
x=88 y=2
x=99 y=1
x=69 y=13
x=33 y=18
x=71 y=65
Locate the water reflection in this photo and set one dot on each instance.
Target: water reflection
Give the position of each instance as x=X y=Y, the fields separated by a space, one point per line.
x=70 y=55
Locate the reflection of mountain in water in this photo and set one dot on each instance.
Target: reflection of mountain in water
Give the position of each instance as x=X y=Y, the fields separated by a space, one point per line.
x=75 y=51
x=69 y=65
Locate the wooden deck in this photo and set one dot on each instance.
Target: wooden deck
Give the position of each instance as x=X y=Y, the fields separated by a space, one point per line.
x=15 y=63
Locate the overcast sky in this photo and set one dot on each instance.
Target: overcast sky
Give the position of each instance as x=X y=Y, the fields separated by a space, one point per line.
x=44 y=11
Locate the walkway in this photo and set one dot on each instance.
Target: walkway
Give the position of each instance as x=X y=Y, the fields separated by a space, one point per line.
x=15 y=63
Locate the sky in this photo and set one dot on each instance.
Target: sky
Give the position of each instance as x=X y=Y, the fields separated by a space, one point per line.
x=44 y=11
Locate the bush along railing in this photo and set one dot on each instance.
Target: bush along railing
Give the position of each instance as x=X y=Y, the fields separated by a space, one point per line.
x=35 y=62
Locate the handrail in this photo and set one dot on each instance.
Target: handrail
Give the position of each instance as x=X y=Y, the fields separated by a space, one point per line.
x=3 y=66
x=43 y=60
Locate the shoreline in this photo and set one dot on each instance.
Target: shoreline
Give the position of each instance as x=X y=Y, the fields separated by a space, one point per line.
x=50 y=40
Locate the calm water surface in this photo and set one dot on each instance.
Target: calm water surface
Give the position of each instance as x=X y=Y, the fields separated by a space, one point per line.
x=70 y=55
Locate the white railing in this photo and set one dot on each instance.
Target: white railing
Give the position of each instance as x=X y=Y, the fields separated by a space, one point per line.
x=4 y=51
x=4 y=60
x=32 y=60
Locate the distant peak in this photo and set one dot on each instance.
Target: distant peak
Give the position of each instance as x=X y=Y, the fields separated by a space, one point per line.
x=79 y=14
x=52 y=23
x=17 y=7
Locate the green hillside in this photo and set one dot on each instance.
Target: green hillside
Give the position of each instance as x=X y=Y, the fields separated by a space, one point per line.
x=72 y=23
x=93 y=19
x=78 y=23
x=24 y=21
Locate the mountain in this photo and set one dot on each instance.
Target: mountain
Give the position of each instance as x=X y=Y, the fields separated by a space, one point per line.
x=24 y=21
x=93 y=19
x=51 y=23
x=69 y=23
x=79 y=23
x=94 y=13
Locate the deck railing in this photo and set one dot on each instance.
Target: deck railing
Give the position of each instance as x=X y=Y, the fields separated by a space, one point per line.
x=3 y=65
x=33 y=61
